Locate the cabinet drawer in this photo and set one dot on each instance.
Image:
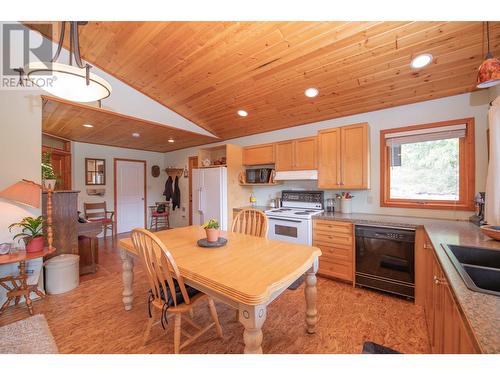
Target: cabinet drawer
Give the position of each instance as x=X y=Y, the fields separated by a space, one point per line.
x=334 y=268
x=333 y=226
x=338 y=253
x=331 y=238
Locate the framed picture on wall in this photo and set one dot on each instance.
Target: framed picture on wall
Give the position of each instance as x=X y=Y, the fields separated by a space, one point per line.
x=95 y=171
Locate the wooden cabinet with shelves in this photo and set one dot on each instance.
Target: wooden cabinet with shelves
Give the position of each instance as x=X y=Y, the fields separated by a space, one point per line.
x=259 y=155
x=296 y=154
x=343 y=155
x=336 y=241
x=447 y=328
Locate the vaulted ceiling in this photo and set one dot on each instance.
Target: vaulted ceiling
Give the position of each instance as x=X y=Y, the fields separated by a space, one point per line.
x=206 y=71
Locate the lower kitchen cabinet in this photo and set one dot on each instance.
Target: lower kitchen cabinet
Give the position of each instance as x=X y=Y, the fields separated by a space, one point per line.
x=447 y=329
x=336 y=241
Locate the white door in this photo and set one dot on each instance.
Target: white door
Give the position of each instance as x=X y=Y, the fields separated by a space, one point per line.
x=130 y=195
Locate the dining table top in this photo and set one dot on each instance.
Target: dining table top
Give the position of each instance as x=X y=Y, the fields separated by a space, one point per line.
x=247 y=269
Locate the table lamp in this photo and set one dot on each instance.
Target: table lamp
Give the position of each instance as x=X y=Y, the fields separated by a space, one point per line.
x=28 y=193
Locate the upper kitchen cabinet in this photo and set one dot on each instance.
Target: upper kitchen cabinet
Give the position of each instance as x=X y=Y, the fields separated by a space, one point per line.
x=259 y=155
x=297 y=154
x=344 y=157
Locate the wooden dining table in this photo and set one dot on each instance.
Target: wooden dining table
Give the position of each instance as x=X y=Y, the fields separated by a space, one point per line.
x=248 y=273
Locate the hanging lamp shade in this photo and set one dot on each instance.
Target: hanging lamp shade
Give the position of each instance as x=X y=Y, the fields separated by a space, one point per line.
x=489 y=72
x=67 y=81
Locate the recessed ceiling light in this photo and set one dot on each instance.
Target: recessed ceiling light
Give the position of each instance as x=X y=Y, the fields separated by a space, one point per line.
x=311 y=92
x=136 y=135
x=421 y=60
x=242 y=113
x=88 y=126
x=170 y=140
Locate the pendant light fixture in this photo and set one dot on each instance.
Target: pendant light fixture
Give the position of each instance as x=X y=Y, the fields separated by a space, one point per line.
x=489 y=71
x=71 y=82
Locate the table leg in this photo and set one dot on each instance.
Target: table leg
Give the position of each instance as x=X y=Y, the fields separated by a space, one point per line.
x=310 y=294
x=128 y=278
x=24 y=286
x=252 y=318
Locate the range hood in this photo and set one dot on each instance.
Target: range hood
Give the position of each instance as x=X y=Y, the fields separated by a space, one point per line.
x=309 y=174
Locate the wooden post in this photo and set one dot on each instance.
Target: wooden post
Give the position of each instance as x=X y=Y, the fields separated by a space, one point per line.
x=50 y=235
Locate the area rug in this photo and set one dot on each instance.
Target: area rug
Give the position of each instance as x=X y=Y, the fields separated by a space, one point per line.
x=28 y=336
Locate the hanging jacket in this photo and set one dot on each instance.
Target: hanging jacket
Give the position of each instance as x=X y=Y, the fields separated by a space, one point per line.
x=176 y=196
x=168 y=192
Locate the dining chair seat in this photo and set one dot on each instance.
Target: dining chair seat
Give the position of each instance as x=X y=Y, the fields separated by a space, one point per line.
x=191 y=292
x=101 y=220
x=159 y=214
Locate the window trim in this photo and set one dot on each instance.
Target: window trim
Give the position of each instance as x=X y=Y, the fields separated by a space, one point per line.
x=466 y=168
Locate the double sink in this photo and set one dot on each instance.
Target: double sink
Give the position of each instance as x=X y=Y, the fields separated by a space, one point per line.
x=479 y=267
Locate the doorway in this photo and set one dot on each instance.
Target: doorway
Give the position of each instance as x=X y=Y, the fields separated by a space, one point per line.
x=130 y=194
x=192 y=163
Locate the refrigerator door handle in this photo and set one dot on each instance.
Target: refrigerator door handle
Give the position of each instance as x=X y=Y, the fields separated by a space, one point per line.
x=199 y=200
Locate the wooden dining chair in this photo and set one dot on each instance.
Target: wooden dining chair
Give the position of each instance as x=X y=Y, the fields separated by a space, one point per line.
x=160 y=219
x=97 y=212
x=168 y=293
x=250 y=221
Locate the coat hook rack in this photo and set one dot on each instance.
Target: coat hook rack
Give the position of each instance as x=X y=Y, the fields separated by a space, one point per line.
x=174 y=172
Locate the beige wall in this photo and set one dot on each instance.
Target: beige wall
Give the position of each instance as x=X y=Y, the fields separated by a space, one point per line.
x=454 y=107
x=80 y=151
x=20 y=154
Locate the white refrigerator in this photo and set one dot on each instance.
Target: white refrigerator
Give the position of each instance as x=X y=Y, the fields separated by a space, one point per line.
x=210 y=195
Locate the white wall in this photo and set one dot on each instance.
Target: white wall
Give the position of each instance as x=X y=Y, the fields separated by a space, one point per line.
x=20 y=154
x=80 y=151
x=454 y=107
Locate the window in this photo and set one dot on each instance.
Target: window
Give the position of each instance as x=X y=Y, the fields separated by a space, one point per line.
x=428 y=166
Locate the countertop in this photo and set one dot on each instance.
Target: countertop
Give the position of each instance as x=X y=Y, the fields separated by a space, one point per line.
x=260 y=208
x=482 y=311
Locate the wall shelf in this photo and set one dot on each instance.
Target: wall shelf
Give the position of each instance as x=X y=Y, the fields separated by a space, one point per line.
x=260 y=184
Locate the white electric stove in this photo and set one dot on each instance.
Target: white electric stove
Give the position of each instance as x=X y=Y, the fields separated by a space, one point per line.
x=292 y=222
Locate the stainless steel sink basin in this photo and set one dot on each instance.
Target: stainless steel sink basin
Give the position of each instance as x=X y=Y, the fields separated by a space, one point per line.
x=479 y=267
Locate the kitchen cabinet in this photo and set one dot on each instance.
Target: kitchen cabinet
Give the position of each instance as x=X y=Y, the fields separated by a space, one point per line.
x=259 y=155
x=343 y=155
x=296 y=154
x=336 y=241
x=447 y=328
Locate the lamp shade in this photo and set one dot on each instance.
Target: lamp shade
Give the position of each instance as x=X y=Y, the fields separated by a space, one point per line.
x=24 y=191
x=67 y=81
x=489 y=72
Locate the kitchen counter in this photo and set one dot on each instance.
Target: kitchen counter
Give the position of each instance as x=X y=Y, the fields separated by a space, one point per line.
x=482 y=311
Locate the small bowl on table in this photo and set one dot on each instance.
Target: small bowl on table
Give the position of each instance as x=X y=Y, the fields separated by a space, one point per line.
x=492 y=231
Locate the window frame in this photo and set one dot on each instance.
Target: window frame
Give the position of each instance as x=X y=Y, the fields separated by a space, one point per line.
x=466 y=170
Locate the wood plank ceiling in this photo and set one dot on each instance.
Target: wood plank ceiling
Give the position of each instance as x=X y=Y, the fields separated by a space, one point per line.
x=66 y=119
x=206 y=71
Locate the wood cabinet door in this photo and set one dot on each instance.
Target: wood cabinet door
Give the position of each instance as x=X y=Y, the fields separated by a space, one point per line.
x=451 y=323
x=354 y=157
x=305 y=153
x=329 y=159
x=465 y=345
x=258 y=155
x=284 y=156
x=438 y=302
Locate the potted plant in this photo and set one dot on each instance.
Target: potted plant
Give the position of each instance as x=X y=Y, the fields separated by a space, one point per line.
x=212 y=229
x=31 y=233
x=49 y=178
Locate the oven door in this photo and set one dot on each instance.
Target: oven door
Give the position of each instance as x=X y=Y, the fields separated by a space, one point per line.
x=290 y=230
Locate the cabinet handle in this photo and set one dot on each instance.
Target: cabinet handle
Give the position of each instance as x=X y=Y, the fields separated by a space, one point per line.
x=427 y=246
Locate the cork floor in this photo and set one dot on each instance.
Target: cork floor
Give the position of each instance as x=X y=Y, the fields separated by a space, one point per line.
x=91 y=319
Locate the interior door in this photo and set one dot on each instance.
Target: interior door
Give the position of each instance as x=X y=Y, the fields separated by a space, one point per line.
x=329 y=158
x=130 y=195
x=61 y=162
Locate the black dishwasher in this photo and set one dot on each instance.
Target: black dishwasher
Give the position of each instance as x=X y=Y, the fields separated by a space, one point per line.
x=385 y=259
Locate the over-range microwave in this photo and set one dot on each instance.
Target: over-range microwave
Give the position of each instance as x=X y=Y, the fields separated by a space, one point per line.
x=258 y=175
